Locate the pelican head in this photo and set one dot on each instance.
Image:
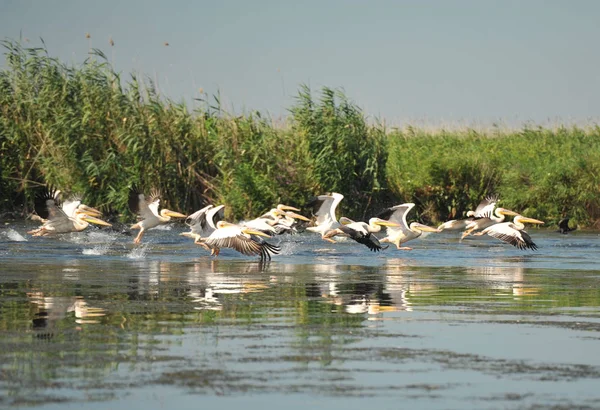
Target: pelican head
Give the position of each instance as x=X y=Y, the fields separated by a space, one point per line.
x=172 y=214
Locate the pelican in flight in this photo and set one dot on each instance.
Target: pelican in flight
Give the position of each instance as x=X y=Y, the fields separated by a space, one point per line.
x=485 y=208
x=57 y=221
x=361 y=232
x=202 y=222
x=512 y=232
x=241 y=238
x=324 y=209
x=486 y=216
x=147 y=209
x=285 y=218
x=403 y=232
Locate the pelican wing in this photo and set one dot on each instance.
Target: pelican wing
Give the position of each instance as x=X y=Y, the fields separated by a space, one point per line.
x=507 y=232
x=70 y=206
x=485 y=209
x=198 y=220
x=48 y=206
x=146 y=208
x=359 y=232
x=233 y=238
x=397 y=214
x=324 y=206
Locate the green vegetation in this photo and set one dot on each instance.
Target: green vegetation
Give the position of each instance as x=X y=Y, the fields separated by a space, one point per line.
x=88 y=131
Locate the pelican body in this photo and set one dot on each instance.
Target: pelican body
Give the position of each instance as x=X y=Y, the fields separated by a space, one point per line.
x=147 y=209
x=324 y=209
x=512 y=232
x=240 y=238
x=403 y=232
x=361 y=232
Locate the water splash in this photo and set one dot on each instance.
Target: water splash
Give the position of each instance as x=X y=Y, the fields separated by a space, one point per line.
x=139 y=252
x=15 y=236
x=97 y=250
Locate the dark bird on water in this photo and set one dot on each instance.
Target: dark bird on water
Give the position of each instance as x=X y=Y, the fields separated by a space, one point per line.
x=563 y=226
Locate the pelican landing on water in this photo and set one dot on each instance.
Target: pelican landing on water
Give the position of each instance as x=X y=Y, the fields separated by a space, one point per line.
x=512 y=232
x=361 y=232
x=403 y=232
x=147 y=209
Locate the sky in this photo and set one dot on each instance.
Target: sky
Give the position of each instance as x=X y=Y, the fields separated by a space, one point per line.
x=405 y=62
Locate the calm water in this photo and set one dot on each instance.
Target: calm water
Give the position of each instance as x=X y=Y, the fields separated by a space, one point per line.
x=92 y=321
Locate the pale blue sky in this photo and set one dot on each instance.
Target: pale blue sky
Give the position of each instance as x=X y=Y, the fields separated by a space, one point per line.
x=404 y=61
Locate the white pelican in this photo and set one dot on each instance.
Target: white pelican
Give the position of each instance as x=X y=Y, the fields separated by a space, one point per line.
x=202 y=222
x=457 y=224
x=361 y=232
x=285 y=218
x=403 y=232
x=57 y=221
x=324 y=209
x=512 y=232
x=148 y=211
x=489 y=219
x=71 y=206
x=484 y=209
x=241 y=238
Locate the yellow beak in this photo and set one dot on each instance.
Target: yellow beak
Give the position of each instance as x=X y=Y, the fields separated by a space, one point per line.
x=531 y=220
x=88 y=210
x=95 y=221
x=174 y=214
x=297 y=216
x=282 y=207
x=253 y=232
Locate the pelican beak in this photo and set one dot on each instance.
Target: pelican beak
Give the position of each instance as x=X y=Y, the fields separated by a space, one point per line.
x=532 y=221
x=174 y=214
x=88 y=210
x=386 y=223
x=297 y=216
x=95 y=221
x=508 y=212
x=287 y=208
x=426 y=228
x=258 y=233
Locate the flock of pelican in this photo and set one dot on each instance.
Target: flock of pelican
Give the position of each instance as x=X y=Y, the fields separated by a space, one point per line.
x=211 y=232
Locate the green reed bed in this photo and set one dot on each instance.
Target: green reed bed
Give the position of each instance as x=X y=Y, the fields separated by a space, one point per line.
x=86 y=129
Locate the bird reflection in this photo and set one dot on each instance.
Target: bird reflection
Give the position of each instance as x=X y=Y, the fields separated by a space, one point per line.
x=509 y=278
x=365 y=292
x=51 y=309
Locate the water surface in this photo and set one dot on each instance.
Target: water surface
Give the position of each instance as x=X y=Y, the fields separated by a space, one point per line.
x=93 y=320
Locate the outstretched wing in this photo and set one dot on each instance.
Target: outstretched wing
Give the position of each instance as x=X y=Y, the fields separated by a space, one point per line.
x=485 y=209
x=507 y=233
x=323 y=207
x=397 y=214
x=47 y=204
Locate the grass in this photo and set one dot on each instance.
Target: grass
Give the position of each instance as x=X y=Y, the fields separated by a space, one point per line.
x=87 y=130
